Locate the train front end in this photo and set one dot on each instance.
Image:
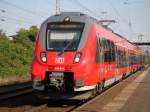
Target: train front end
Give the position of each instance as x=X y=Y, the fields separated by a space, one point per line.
x=60 y=60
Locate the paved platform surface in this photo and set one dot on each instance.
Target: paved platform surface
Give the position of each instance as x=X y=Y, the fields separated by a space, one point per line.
x=130 y=95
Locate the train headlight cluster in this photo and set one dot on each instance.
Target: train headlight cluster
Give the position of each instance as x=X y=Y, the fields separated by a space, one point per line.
x=77 y=57
x=43 y=57
x=67 y=19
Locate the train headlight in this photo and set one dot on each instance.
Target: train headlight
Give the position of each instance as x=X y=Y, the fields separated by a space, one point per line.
x=43 y=57
x=77 y=57
x=67 y=19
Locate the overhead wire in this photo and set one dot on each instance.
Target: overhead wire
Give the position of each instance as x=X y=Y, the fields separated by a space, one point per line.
x=20 y=8
x=12 y=21
x=92 y=12
x=11 y=14
x=53 y=4
x=47 y=2
x=129 y=19
x=79 y=4
x=118 y=16
x=17 y=19
x=4 y=18
x=87 y=9
x=140 y=1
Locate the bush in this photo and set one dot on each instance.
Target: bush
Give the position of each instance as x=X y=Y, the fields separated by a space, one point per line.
x=16 y=55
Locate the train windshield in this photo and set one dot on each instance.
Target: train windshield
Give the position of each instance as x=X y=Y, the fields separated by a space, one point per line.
x=64 y=37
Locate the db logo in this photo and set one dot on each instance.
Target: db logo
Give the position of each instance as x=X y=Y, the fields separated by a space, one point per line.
x=59 y=60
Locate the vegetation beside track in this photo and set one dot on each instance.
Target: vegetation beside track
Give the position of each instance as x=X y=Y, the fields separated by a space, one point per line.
x=16 y=54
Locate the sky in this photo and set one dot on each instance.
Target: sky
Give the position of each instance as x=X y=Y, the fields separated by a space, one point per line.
x=132 y=16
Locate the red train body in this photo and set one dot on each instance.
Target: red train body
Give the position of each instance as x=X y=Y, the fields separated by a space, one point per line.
x=75 y=54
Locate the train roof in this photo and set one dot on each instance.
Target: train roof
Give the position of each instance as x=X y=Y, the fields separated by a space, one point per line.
x=81 y=17
x=74 y=16
x=87 y=17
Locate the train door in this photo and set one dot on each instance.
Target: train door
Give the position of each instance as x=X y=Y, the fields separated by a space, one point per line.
x=101 y=57
x=117 y=63
x=112 y=60
x=120 y=70
x=108 y=60
x=127 y=63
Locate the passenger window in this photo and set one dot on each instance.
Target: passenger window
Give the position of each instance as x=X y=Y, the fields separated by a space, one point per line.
x=121 y=58
x=109 y=51
x=105 y=50
x=113 y=56
x=100 y=46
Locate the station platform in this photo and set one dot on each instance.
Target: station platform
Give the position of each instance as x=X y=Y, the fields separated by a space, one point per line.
x=129 y=95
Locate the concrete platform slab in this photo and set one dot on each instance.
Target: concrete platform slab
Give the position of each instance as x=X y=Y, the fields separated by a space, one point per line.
x=130 y=95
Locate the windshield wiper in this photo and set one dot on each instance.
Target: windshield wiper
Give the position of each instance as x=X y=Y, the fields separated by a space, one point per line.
x=66 y=47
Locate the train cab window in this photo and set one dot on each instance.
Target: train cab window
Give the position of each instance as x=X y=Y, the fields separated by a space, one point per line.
x=63 y=36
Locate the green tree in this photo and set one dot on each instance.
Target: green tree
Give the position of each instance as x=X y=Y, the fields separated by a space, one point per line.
x=16 y=55
x=33 y=33
x=22 y=37
x=3 y=35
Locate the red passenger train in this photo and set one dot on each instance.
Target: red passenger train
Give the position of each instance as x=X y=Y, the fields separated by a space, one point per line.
x=76 y=57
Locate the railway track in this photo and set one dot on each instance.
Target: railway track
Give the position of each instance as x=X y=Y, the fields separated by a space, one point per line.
x=57 y=106
x=30 y=103
x=65 y=105
x=8 y=92
x=23 y=96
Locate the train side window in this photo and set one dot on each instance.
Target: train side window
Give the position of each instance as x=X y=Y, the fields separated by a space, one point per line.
x=99 y=49
x=121 y=58
x=107 y=51
x=112 y=47
x=101 y=46
x=104 y=49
